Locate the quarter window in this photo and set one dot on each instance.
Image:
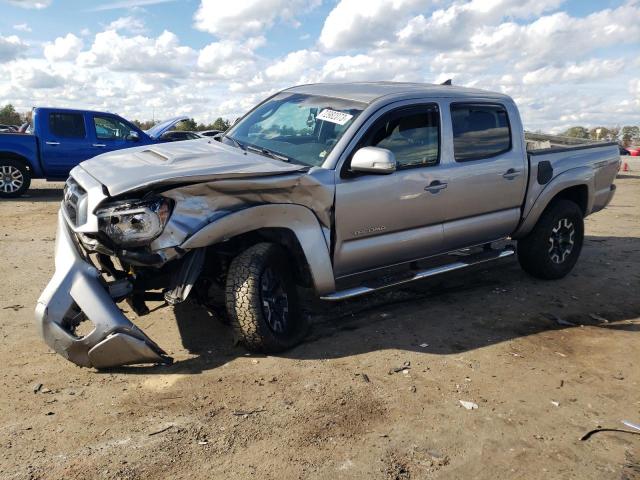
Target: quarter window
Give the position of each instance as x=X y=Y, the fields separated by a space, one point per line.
x=479 y=131
x=67 y=125
x=412 y=135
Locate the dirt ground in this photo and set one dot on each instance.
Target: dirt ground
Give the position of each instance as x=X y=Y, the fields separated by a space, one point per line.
x=545 y=362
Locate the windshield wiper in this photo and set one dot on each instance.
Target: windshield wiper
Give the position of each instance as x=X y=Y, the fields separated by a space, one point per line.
x=236 y=142
x=268 y=153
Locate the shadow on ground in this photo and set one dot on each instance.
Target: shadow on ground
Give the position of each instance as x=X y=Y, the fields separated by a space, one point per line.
x=451 y=314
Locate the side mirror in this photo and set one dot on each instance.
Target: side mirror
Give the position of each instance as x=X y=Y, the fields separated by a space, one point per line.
x=373 y=160
x=133 y=137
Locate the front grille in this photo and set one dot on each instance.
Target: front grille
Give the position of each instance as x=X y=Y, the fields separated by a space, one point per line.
x=74 y=203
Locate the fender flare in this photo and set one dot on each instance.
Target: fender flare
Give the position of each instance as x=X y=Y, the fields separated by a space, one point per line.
x=22 y=154
x=571 y=178
x=296 y=218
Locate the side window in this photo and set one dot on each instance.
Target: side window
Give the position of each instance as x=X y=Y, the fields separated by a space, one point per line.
x=479 y=131
x=109 y=128
x=67 y=125
x=412 y=134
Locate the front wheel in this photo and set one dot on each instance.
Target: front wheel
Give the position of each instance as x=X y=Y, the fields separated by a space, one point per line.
x=262 y=300
x=552 y=248
x=14 y=178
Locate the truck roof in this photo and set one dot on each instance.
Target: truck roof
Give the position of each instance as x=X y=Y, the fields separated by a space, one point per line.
x=73 y=110
x=368 y=92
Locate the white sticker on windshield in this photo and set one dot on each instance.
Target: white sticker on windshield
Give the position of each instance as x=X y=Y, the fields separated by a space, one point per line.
x=334 y=117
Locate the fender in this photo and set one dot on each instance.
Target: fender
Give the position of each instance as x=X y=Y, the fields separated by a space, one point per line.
x=570 y=178
x=300 y=220
x=28 y=155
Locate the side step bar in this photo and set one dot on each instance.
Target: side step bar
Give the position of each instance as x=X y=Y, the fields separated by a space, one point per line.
x=469 y=261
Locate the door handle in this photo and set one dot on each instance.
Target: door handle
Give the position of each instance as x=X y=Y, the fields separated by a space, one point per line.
x=435 y=186
x=99 y=145
x=53 y=143
x=511 y=174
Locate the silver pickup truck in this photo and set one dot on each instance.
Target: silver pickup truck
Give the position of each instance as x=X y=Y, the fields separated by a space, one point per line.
x=340 y=188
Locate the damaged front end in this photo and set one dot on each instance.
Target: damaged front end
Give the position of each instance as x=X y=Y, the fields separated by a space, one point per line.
x=77 y=313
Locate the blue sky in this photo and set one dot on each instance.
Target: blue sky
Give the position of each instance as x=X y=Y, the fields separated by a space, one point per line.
x=565 y=62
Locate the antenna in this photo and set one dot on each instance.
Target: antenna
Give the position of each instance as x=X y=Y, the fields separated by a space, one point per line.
x=446 y=82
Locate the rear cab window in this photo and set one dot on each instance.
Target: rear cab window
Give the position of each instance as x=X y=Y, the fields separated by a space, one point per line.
x=67 y=125
x=479 y=131
x=109 y=128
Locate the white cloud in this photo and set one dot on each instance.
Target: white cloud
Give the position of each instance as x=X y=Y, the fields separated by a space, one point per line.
x=160 y=55
x=593 y=69
x=130 y=4
x=10 y=48
x=296 y=64
x=32 y=4
x=247 y=17
x=228 y=59
x=127 y=24
x=22 y=27
x=63 y=48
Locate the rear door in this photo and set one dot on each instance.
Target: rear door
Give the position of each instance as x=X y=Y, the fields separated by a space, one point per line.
x=64 y=142
x=387 y=219
x=486 y=173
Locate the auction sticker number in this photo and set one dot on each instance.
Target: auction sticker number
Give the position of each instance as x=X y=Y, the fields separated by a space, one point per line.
x=333 y=116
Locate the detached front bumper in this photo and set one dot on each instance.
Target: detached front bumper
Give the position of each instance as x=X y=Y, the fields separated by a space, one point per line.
x=78 y=287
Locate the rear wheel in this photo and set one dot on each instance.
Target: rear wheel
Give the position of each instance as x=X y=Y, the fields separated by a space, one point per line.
x=14 y=178
x=552 y=248
x=262 y=300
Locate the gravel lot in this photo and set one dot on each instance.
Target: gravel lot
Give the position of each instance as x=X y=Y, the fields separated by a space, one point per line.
x=544 y=362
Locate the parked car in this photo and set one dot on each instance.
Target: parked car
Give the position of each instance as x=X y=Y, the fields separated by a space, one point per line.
x=60 y=139
x=623 y=151
x=341 y=188
x=178 y=136
x=211 y=133
x=633 y=151
x=7 y=128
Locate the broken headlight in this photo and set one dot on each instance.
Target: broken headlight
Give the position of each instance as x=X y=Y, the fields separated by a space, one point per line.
x=134 y=223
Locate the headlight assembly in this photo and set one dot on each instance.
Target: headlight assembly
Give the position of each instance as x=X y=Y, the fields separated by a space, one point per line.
x=134 y=223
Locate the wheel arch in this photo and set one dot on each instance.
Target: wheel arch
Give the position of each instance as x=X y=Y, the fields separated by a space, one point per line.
x=575 y=185
x=19 y=158
x=293 y=226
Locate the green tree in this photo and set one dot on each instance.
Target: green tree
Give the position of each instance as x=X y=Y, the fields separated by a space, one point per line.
x=601 y=133
x=143 y=125
x=630 y=135
x=188 y=125
x=9 y=116
x=577 y=132
x=221 y=124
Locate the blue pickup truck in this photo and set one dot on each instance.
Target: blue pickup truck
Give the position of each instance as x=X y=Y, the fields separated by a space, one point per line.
x=60 y=139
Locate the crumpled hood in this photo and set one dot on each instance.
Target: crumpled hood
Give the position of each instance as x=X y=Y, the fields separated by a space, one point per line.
x=175 y=162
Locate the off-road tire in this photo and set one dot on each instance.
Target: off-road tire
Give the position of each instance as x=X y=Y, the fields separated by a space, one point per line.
x=7 y=164
x=245 y=304
x=536 y=251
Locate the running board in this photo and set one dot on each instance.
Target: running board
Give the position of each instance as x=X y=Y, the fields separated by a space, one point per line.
x=469 y=261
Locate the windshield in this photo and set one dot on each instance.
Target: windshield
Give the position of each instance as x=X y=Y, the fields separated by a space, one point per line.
x=302 y=128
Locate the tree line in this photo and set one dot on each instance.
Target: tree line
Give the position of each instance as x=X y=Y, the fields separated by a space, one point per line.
x=627 y=135
x=9 y=116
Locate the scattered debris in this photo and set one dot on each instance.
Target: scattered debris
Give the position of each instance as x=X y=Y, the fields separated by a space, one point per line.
x=413 y=389
x=631 y=425
x=45 y=390
x=554 y=403
x=203 y=442
x=588 y=435
x=558 y=320
x=404 y=368
x=246 y=413
x=161 y=430
x=561 y=354
x=365 y=377
x=468 y=405
x=598 y=318
x=37 y=387
x=618 y=376
x=15 y=308
x=424 y=345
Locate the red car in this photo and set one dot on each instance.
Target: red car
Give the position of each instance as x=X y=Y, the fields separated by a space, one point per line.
x=633 y=151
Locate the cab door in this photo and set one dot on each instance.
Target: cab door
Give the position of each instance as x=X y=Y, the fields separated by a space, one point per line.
x=392 y=218
x=486 y=170
x=111 y=133
x=64 y=142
